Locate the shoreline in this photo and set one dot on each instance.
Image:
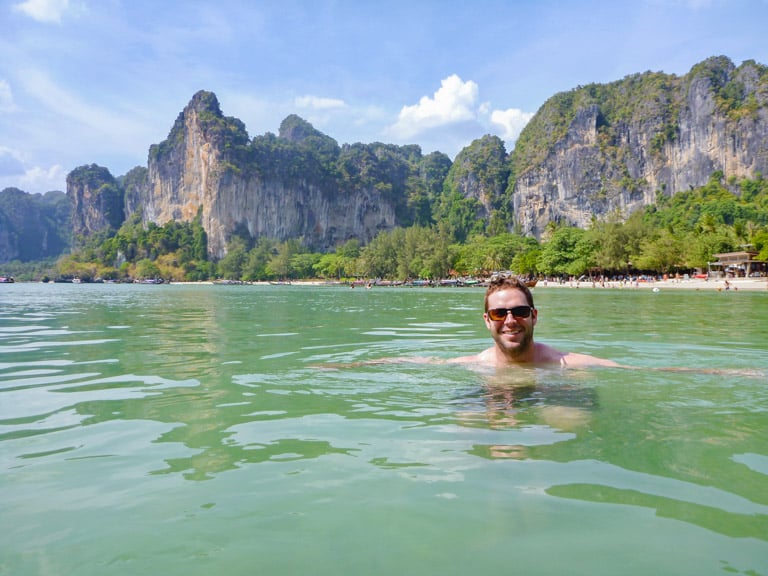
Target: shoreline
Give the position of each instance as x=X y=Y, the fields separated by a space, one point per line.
x=692 y=284
x=696 y=285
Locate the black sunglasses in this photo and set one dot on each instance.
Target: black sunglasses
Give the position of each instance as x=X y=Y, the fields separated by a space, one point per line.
x=498 y=314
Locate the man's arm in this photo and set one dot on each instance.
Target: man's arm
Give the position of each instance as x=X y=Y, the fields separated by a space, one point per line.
x=576 y=360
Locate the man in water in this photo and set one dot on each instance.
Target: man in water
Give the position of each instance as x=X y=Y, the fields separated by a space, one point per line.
x=510 y=317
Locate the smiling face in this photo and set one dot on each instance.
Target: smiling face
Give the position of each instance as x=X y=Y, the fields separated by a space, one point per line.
x=513 y=335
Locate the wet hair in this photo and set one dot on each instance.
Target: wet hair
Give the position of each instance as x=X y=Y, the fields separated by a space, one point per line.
x=499 y=283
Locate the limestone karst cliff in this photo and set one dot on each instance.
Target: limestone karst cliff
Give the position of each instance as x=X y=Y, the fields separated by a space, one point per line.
x=599 y=149
x=278 y=187
x=97 y=200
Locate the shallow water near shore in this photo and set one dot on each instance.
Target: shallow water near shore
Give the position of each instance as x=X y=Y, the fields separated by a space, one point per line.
x=187 y=430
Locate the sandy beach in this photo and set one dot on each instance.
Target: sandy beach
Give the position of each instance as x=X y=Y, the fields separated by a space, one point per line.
x=714 y=285
x=718 y=285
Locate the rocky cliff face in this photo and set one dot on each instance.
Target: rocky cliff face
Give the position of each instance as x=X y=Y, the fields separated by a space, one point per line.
x=480 y=173
x=671 y=135
x=207 y=166
x=96 y=198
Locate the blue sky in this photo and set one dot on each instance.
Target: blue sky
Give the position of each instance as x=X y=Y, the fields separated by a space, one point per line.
x=99 y=81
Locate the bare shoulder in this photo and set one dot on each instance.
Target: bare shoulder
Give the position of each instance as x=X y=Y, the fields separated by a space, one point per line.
x=545 y=354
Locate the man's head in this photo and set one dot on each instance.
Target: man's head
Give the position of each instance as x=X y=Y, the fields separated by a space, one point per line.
x=499 y=283
x=510 y=317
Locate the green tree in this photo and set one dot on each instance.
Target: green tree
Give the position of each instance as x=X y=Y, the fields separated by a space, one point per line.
x=380 y=255
x=303 y=265
x=279 y=265
x=255 y=267
x=146 y=269
x=330 y=266
x=662 y=253
x=233 y=264
x=569 y=251
x=760 y=240
x=350 y=249
x=526 y=262
x=616 y=241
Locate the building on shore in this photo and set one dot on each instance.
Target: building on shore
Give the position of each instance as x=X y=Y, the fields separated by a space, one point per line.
x=737 y=265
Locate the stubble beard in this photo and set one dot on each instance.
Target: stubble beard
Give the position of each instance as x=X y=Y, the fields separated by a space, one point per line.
x=521 y=349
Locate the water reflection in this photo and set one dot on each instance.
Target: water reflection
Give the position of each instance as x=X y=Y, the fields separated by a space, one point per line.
x=677 y=460
x=527 y=398
x=712 y=517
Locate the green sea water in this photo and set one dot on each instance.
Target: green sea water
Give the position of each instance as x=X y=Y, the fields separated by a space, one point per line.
x=198 y=430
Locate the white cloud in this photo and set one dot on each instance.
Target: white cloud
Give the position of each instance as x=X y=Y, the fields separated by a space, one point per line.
x=318 y=103
x=455 y=101
x=512 y=121
x=6 y=97
x=39 y=179
x=43 y=10
x=453 y=117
